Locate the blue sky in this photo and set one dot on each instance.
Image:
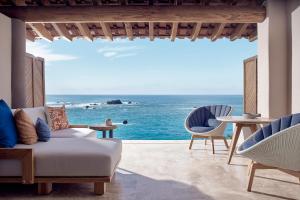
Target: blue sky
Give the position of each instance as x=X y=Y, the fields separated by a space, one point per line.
x=144 y=67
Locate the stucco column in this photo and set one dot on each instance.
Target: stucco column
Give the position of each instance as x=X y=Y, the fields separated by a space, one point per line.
x=273 y=69
x=18 y=63
x=5 y=58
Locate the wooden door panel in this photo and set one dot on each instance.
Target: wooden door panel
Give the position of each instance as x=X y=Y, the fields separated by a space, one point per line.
x=250 y=85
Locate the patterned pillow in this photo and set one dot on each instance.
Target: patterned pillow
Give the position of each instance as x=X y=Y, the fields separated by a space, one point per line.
x=57 y=118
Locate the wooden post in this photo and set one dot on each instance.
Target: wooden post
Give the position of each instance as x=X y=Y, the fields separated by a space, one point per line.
x=99 y=188
x=44 y=188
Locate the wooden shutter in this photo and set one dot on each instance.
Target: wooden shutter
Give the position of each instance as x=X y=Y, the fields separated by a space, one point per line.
x=38 y=83
x=28 y=81
x=250 y=85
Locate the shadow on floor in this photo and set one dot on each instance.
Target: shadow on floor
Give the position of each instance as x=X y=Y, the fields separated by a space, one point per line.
x=126 y=185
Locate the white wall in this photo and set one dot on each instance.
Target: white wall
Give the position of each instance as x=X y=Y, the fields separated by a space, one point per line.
x=279 y=59
x=5 y=58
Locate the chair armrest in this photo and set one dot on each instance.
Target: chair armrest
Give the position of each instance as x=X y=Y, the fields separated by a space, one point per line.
x=78 y=126
x=26 y=158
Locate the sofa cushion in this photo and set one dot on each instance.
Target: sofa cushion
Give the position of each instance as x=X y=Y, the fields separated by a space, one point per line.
x=70 y=157
x=74 y=132
x=26 y=129
x=57 y=118
x=35 y=113
x=42 y=130
x=8 y=131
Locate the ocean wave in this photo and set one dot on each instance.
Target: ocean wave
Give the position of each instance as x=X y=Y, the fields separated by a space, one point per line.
x=91 y=105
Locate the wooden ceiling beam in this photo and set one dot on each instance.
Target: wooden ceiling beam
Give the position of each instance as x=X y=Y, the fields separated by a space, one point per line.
x=19 y=2
x=41 y=31
x=30 y=36
x=151 y=31
x=239 y=30
x=128 y=28
x=196 y=31
x=253 y=36
x=45 y=2
x=106 y=31
x=207 y=14
x=85 y=31
x=217 y=31
x=72 y=2
x=174 y=31
x=62 y=31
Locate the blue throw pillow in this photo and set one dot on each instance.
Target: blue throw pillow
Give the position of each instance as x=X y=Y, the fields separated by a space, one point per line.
x=42 y=130
x=8 y=130
x=213 y=122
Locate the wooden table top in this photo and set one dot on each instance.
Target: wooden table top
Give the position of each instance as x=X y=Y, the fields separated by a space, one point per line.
x=103 y=127
x=241 y=119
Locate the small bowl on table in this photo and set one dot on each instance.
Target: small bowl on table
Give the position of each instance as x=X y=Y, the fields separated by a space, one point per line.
x=251 y=115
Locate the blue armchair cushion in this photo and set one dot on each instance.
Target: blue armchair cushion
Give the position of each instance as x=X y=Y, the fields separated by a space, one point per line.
x=203 y=116
x=273 y=128
x=201 y=129
x=8 y=130
x=42 y=130
x=213 y=122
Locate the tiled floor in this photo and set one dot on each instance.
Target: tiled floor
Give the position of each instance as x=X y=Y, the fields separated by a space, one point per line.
x=168 y=170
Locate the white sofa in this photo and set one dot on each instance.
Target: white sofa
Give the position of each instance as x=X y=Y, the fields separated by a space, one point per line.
x=72 y=155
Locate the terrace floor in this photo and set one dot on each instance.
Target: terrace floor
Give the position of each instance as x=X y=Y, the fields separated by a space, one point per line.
x=168 y=170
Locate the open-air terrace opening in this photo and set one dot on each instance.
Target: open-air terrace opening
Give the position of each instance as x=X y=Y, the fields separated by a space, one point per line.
x=153 y=146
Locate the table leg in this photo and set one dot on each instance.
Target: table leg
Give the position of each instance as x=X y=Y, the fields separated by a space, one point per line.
x=104 y=134
x=235 y=138
x=111 y=133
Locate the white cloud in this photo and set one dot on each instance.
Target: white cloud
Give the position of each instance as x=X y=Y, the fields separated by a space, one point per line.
x=109 y=54
x=46 y=52
x=119 y=51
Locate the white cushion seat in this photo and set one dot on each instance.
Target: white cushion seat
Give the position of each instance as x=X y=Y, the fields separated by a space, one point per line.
x=65 y=157
x=74 y=132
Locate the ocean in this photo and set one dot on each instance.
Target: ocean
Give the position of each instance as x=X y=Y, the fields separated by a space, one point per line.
x=150 y=117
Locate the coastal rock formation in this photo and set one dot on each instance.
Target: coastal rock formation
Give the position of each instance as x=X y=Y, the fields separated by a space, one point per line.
x=113 y=102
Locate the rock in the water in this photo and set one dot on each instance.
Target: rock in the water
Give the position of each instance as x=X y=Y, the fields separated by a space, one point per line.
x=125 y=122
x=118 y=101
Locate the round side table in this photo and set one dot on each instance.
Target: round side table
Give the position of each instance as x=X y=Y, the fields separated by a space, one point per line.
x=104 y=128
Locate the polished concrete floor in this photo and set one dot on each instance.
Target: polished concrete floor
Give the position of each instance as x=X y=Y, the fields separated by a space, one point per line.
x=167 y=170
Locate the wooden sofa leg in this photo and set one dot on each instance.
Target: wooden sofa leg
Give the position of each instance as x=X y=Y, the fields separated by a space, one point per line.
x=191 y=143
x=251 y=176
x=99 y=188
x=44 y=188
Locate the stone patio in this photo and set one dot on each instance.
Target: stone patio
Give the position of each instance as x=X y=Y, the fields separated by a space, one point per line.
x=166 y=170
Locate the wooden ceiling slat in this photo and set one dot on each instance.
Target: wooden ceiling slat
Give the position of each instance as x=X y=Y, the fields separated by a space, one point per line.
x=151 y=31
x=128 y=28
x=217 y=32
x=41 y=31
x=85 y=31
x=174 y=31
x=239 y=30
x=106 y=30
x=196 y=31
x=62 y=31
x=207 y=14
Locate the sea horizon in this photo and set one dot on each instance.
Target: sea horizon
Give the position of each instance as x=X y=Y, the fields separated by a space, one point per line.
x=149 y=117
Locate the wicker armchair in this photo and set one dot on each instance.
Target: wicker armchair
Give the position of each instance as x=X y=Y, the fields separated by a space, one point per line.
x=202 y=123
x=275 y=146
